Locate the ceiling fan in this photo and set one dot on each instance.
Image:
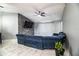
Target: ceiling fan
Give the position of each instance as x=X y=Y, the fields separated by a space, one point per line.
x=41 y=13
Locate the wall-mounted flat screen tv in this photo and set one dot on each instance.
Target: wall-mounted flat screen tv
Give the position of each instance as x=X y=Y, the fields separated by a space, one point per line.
x=28 y=24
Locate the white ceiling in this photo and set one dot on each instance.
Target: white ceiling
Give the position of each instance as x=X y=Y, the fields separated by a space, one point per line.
x=8 y=8
x=53 y=11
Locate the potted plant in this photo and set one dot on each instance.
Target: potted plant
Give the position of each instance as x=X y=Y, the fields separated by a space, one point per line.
x=59 y=48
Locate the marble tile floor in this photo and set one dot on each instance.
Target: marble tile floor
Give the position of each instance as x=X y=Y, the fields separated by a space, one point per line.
x=10 y=47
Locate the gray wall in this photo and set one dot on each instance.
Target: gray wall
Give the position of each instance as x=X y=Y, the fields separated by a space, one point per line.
x=0 y=20
x=71 y=27
x=9 y=25
x=47 y=29
x=21 y=30
x=44 y=29
x=40 y=29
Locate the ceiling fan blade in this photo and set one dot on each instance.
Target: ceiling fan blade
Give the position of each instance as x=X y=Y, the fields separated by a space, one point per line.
x=36 y=12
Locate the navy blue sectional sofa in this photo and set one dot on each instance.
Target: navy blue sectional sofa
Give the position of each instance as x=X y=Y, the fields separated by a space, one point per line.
x=39 y=42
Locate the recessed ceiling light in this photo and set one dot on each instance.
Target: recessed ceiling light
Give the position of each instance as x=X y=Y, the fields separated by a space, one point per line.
x=1 y=7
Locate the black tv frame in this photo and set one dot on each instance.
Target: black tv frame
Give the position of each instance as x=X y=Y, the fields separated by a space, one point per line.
x=28 y=24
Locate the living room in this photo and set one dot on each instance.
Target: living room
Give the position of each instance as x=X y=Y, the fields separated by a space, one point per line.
x=38 y=22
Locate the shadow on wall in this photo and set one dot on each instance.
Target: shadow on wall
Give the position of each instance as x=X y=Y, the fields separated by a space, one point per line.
x=66 y=43
x=67 y=46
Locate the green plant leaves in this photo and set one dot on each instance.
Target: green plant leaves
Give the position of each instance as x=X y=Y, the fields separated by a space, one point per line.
x=58 y=45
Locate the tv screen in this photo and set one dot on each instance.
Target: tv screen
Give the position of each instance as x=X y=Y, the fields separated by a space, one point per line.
x=28 y=24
